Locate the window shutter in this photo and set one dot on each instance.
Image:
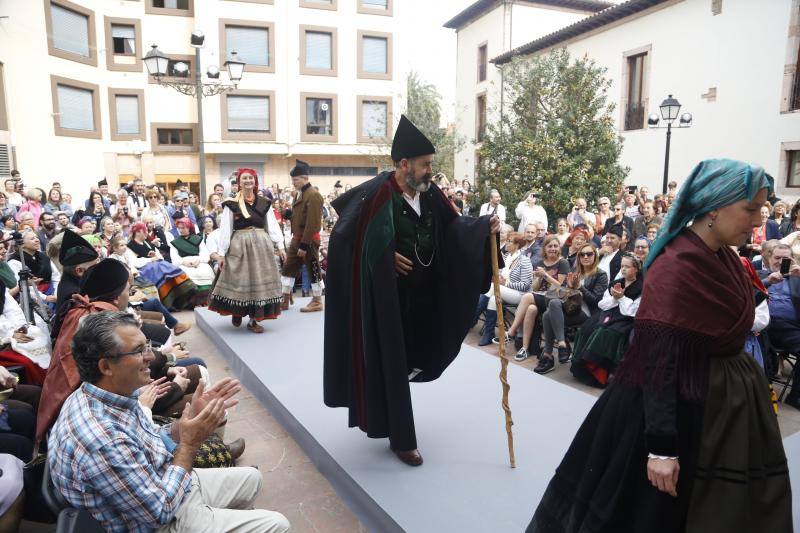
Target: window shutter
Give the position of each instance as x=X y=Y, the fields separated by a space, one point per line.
x=374 y=55
x=374 y=117
x=70 y=30
x=5 y=160
x=127 y=115
x=75 y=106
x=250 y=44
x=376 y=3
x=318 y=50
x=248 y=114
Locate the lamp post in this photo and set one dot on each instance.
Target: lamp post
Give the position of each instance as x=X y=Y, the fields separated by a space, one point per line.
x=670 y=108
x=158 y=66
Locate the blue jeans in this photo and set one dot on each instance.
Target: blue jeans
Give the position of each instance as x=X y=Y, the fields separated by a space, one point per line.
x=154 y=304
x=306 y=279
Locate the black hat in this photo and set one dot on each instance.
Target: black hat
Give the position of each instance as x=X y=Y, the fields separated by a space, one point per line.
x=409 y=141
x=301 y=168
x=338 y=184
x=75 y=250
x=105 y=281
x=179 y=183
x=102 y=182
x=616 y=229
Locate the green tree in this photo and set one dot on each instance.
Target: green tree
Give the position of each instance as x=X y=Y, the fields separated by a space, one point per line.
x=423 y=108
x=555 y=135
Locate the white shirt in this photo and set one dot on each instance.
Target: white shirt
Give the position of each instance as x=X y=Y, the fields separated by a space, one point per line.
x=414 y=203
x=632 y=212
x=488 y=208
x=528 y=214
x=605 y=263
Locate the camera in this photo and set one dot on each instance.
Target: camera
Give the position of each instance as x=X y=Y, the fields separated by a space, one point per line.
x=632 y=189
x=786 y=264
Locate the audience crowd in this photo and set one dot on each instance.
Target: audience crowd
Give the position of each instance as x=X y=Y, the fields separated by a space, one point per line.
x=100 y=398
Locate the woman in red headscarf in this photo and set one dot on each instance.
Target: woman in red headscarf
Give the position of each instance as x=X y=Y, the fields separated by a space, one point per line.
x=249 y=283
x=189 y=252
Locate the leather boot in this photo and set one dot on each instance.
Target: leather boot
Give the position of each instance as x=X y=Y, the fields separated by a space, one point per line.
x=285 y=302
x=314 y=305
x=482 y=303
x=488 y=328
x=409 y=457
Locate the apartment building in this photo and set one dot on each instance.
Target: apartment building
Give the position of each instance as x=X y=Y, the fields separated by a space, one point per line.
x=487 y=29
x=733 y=64
x=323 y=82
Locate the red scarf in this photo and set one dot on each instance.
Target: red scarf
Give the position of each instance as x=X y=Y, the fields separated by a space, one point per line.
x=695 y=302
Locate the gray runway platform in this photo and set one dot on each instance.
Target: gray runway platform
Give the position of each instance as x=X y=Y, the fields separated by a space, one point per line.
x=465 y=484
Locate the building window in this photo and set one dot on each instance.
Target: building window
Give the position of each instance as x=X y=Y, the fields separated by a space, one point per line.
x=70 y=31
x=480 y=117
x=319 y=117
x=793 y=175
x=123 y=39
x=126 y=111
x=634 y=109
x=179 y=67
x=181 y=8
x=374 y=55
x=123 y=44
x=375 y=7
x=794 y=102
x=3 y=112
x=318 y=51
x=248 y=115
x=173 y=136
x=253 y=42
x=76 y=108
x=5 y=161
x=343 y=171
x=319 y=4
x=374 y=118
x=483 y=61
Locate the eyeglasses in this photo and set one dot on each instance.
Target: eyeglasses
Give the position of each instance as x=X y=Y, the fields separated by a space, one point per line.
x=586 y=254
x=641 y=247
x=146 y=348
x=605 y=203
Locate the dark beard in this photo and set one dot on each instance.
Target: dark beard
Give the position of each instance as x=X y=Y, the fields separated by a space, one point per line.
x=423 y=186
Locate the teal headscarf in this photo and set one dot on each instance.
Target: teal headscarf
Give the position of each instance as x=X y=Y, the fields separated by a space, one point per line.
x=713 y=184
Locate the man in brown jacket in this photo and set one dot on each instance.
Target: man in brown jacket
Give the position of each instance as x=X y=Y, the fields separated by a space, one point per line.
x=304 y=250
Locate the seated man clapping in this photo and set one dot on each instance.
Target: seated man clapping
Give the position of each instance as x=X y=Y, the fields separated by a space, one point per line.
x=106 y=455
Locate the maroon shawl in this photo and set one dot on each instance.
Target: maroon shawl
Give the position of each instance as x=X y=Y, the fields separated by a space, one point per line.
x=695 y=302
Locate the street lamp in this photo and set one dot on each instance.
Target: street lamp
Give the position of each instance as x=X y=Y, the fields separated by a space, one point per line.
x=158 y=66
x=670 y=108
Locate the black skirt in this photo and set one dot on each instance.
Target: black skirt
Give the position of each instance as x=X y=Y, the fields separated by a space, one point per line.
x=601 y=485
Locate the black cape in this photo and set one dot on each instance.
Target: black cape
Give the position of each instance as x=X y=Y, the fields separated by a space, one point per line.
x=366 y=365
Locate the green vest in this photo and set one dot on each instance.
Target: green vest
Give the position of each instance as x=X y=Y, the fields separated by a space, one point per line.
x=413 y=234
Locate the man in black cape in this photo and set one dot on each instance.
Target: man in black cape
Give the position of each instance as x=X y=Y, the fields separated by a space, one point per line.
x=404 y=275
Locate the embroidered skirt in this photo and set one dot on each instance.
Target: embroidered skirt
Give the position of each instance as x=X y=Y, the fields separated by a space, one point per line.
x=250 y=282
x=733 y=472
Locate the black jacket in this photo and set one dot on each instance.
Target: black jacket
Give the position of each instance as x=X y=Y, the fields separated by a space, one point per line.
x=593 y=289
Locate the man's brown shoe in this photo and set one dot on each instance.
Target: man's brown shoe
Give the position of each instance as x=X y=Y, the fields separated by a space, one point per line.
x=313 y=305
x=285 y=302
x=236 y=448
x=181 y=328
x=410 y=457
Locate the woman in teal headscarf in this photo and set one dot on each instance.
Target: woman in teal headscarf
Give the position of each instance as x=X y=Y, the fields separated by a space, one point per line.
x=685 y=438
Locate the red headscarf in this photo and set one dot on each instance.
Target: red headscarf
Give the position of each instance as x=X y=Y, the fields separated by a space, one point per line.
x=577 y=231
x=246 y=171
x=185 y=221
x=139 y=226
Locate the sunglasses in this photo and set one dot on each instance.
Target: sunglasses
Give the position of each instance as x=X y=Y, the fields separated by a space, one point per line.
x=586 y=254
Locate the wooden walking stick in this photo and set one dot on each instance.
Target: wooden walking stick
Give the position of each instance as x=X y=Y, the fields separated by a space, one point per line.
x=501 y=326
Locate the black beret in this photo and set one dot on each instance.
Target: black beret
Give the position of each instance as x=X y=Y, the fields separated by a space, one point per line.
x=75 y=250
x=301 y=168
x=105 y=281
x=616 y=229
x=409 y=141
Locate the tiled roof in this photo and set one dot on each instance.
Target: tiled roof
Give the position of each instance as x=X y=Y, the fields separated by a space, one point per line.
x=590 y=23
x=482 y=6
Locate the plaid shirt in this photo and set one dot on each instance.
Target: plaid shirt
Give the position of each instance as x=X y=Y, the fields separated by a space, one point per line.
x=106 y=456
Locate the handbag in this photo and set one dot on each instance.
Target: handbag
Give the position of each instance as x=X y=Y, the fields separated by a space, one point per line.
x=572 y=299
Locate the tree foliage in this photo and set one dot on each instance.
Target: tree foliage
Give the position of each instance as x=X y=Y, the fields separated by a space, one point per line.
x=556 y=134
x=423 y=108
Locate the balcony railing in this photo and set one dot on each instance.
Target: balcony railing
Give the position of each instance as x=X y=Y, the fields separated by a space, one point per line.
x=634 y=116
